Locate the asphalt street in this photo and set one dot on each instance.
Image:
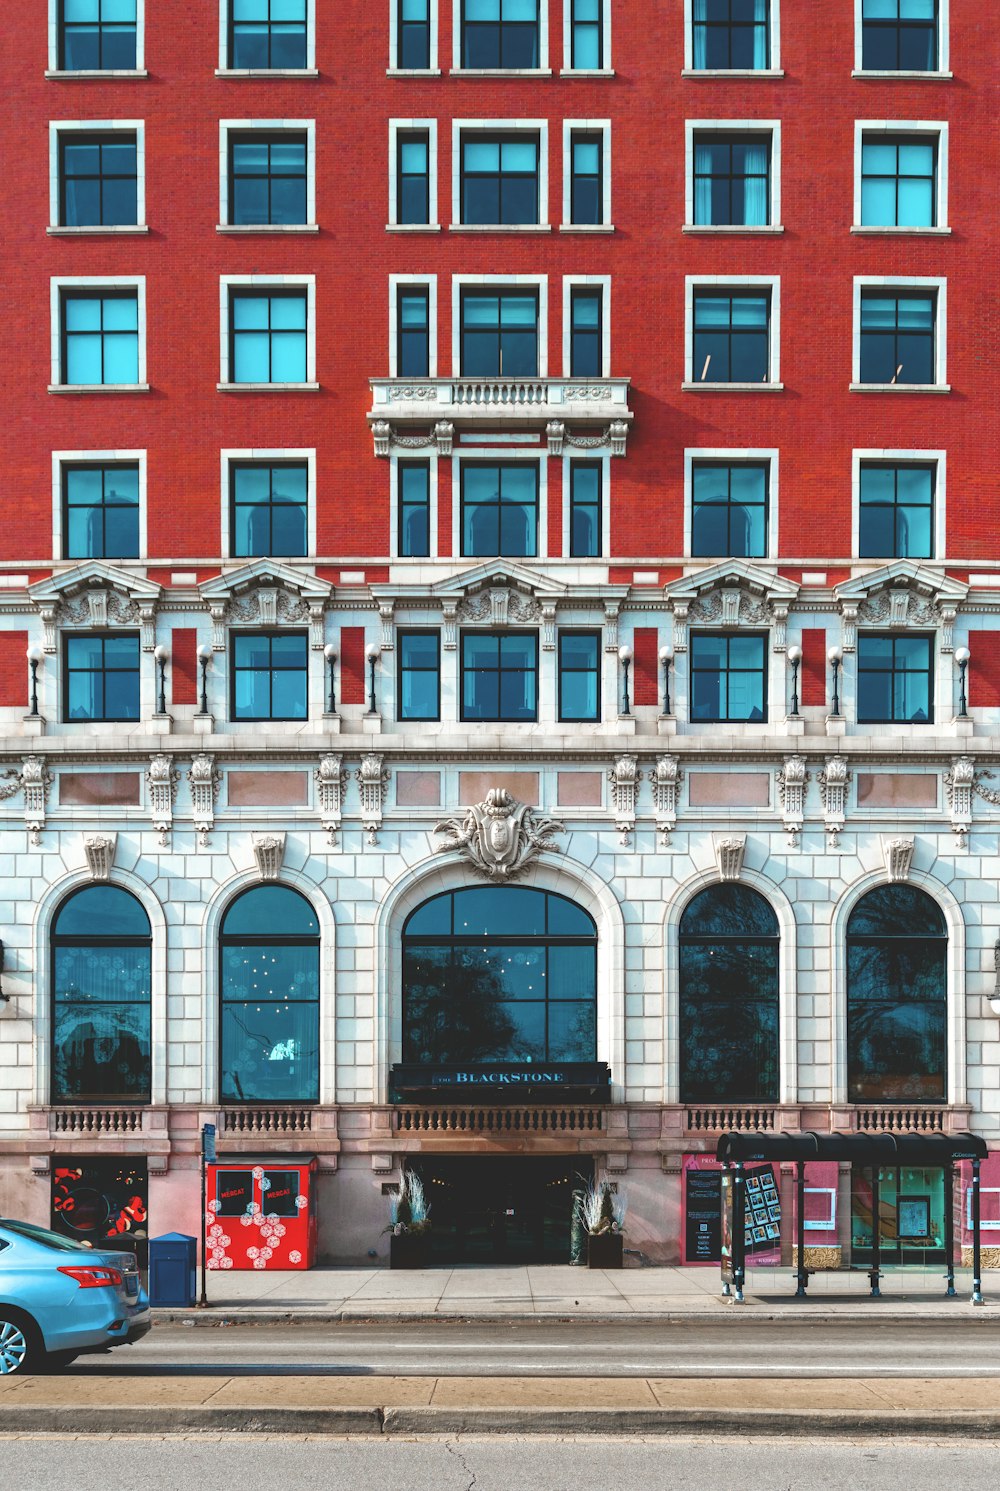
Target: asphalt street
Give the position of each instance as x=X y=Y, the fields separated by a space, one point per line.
x=741 y=1463
x=963 y=1348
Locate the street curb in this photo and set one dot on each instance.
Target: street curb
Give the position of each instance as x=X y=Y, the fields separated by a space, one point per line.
x=804 y=1314
x=389 y=1422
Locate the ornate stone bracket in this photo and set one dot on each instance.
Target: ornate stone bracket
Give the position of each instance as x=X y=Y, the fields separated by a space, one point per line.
x=898 y=855
x=499 y=837
x=624 y=777
x=729 y=851
x=10 y=783
x=611 y=610
x=666 y=779
x=36 y=781
x=500 y=605
x=268 y=851
x=161 y=785
x=557 y=437
x=100 y=852
x=834 y=781
x=959 y=786
x=331 y=785
x=792 y=779
x=680 y=610
x=204 y=780
x=373 y=780
x=385 y=437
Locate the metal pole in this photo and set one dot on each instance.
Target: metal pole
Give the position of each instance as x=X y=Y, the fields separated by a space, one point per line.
x=795 y=687
x=836 y=688
x=803 y=1272
x=739 y=1232
x=625 y=709
x=203 y=1300
x=875 y=1272
x=963 y=711
x=666 y=687
x=949 y=1226
x=332 y=705
x=204 y=685
x=726 y=1286
x=34 y=687
x=161 y=707
x=977 y=1272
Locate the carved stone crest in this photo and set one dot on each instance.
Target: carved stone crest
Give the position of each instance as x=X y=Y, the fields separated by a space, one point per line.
x=331 y=784
x=959 y=785
x=898 y=855
x=792 y=779
x=373 y=780
x=499 y=837
x=834 y=780
x=666 y=779
x=624 y=777
x=36 y=781
x=499 y=606
x=731 y=605
x=729 y=853
x=100 y=852
x=204 y=780
x=269 y=851
x=161 y=785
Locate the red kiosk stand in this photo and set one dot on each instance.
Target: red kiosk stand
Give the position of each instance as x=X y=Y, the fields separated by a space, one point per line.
x=261 y=1212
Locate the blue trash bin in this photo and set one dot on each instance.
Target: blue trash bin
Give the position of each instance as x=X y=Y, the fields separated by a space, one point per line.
x=173 y=1270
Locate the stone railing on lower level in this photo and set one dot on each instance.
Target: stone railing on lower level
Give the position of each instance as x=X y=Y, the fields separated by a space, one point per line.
x=268 y=1123
x=500 y=1121
x=728 y=1120
x=102 y=1123
x=888 y=1118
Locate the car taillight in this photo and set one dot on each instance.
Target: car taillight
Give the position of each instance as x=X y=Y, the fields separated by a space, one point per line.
x=94 y=1278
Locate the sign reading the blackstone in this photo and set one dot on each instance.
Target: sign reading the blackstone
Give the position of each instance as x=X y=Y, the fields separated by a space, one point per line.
x=567 y=1080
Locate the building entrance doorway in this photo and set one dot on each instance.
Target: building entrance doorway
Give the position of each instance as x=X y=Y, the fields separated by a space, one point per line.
x=504 y=1210
x=910 y=1201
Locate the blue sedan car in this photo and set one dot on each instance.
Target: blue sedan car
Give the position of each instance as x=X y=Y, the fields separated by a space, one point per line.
x=59 y=1298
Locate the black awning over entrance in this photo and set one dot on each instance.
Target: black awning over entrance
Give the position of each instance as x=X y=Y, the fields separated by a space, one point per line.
x=866 y=1151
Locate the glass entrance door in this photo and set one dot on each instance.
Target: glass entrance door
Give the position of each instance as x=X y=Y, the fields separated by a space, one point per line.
x=911 y=1214
x=509 y=1210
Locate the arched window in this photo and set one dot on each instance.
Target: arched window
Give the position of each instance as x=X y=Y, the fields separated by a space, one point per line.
x=101 y=958
x=269 y=1050
x=729 y=997
x=499 y=974
x=897 y=943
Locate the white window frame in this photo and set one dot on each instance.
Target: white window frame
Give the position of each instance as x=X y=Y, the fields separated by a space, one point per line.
x=267 y=127
x=231 y=455
x=502 y=72
x=774 y=71
x=829 y=1222
x=921 y=129
x=732 y=455
x=575 y=281
x=59 y=127
x=693 y=282
x=600 y=127
x=64 y=458
x=460 y=127
x=139 y=71
x=224 y=70
x=936 y=458
x=405 y=127
x=394 y=69
x=568 y=70
x=477 y=455
x=229 y=282
x=395 y=456
x=539 y=282
x=61 y=282
x=587 y=457
x=939 y=283
x=693 y=127
x=944 y=47
x=396 y=281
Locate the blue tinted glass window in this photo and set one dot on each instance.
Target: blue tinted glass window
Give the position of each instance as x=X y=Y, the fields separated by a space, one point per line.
x=898 y=182
x=896 y=517
x=731 y=337
x=413 y=177
x=101 y=512
x=579 y=676
x=895 y=679
x=97 y=35
x=729 y=510
x=100 y=337
x=587 y=39
x=728 y=677
x=269 y=509
x=270 y=676
x=101 y=676
x=414 y=501
x=419 y=679
x=267 y=179
x=413 y=344
x=499 y=334
x=413 y=34
x=898 y=337
x=268 y=342
x=899 y=35
x=731 y=35
x=98 y=180
x=585 y=509
x=500 y=34
x=499 y=179
x=499 y=676
x=265 y=35
x=586 y=351
x=732 y=180
x=499 y=509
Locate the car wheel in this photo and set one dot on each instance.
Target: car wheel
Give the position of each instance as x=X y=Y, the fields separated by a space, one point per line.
x=20 y=1343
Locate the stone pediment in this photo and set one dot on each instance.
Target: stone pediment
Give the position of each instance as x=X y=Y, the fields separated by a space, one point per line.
x=265 y=593
x=734 y=574
x=899 y=595
x=919 y=579
x=97 y=595
x=499 y=574
x=734 y=593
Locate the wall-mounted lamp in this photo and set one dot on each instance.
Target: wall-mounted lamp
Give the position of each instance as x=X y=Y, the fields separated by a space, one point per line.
x=330 y=653
x=35 y=656
x=625 y=658
x=794 y=656
x=3 y=996
x=372 y=652
x=666 y=658
x=962 y=656
x=160 y=653
x=204 y=659
x=835 y=657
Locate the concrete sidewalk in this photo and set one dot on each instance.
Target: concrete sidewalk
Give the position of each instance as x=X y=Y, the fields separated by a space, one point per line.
x=341 y=1294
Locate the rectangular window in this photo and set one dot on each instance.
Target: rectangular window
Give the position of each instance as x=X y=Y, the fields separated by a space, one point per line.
x=413 y=483
x=500 y=333
x=585 y=509
x=586 y=35
x=732 y=336
x=269 y=509
x=728 y=677
x=100 y=518
x=586 y=193
x=899 y=35
x=500 y=510
x=579 y=676
x=101 y=676
x=97 y=35
x=586 y=358
x=896 y=517
x=100 y=336
x=268 y=178
x=267 y=35
x=500 y=179
x=731 y=35
x=98 y=180
x=499 y=676
x=500 y=34
x=413 y=35
x=419 y=680
x=732 y=180
x=894 y=679
x=270 y=676
x=729 y=510
x=413 y=345
x=898 y=336
x=267 y=336
x=898 y=181
x=413 y=177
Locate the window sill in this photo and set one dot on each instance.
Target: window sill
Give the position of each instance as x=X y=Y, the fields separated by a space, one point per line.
x=501 y=72
x=413 y=72
x=900 y=388
x=267 y=72
x=62 y=75
x=587 y=72
x=732 y=387
x=98 y=388
x=732 y=72
x=882 y=77
x=723 y=228
x=267 y=387
x=499 y=228
x=413 y=227
x=870 y=232
x=586 y=227
x=97 y=230
x=267 y=228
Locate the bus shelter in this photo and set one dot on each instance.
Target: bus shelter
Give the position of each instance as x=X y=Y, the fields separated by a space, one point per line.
x=869 y=1152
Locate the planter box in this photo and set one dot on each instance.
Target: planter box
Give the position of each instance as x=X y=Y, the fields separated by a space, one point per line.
x=409 y=1250
x=605 y=1250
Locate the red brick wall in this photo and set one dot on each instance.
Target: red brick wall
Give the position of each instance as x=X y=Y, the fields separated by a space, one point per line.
x=812 y=674
x=983 y=676
x=14 y=670
x=352 y=665
x=644 y=670
x=184 y=666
